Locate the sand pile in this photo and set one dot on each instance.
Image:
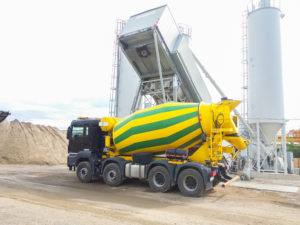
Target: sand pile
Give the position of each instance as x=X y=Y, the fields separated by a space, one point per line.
x=28 y=143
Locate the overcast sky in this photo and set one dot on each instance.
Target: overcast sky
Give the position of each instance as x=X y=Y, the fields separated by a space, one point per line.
x=56 y=56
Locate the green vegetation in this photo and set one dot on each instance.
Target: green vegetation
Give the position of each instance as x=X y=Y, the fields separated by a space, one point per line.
x=295 y=148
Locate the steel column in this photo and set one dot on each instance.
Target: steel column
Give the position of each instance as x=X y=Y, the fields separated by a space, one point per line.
x=257 y=148
x=283 y=142
x=159 y=66
x=175 y=88
x=276 y=157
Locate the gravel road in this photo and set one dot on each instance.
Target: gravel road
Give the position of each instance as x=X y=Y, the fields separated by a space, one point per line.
x=49 y=195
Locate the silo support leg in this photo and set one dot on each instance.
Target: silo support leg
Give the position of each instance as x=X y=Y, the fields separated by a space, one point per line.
x=284 y=148
x=275 y=151
x=258 y=148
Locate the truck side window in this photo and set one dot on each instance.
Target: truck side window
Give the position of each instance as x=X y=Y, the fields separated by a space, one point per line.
x=86 y=131
x=77 y=131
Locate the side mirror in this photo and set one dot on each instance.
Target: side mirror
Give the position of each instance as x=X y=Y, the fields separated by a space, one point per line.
x=69 y=132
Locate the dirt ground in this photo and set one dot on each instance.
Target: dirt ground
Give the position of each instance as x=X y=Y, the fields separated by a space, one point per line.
x=52 y=195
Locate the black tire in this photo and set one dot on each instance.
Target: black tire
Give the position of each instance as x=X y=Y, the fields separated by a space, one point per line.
x=159 y=179
x=112 y=175
x=84 y=172
x=190 y=183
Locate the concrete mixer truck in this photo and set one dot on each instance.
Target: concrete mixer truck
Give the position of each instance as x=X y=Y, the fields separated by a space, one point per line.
x=169 y=144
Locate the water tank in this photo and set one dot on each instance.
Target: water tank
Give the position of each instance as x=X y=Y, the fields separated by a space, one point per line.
x=265 y=88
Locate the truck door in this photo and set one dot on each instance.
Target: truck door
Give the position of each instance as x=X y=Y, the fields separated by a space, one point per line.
x=79 y=139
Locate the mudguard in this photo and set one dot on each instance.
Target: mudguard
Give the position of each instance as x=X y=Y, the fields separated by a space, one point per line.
x=121 y=162
x=75 y=158
x=170 y=168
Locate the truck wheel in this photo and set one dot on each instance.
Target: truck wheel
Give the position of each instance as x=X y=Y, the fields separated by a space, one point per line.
x=159 y=179
x=84 y=172
x=112 y=174
x=190 y=183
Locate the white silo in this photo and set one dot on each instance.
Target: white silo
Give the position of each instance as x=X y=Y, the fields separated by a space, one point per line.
x=265 y=88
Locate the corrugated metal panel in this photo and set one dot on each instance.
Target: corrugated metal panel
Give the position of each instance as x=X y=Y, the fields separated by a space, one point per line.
x=189 y=72
x=127 y=84
x=143 y=21
x=137 y=41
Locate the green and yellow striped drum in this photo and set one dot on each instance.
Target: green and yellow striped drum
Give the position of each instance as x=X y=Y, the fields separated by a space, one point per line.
x=169 y=125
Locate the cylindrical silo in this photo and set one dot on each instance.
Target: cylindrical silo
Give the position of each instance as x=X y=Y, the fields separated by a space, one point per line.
x=265 y=88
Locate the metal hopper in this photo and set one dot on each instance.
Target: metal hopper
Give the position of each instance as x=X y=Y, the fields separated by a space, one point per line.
x=159 y=53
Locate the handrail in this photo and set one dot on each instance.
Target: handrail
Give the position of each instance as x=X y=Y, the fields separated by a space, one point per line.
x=258 y=4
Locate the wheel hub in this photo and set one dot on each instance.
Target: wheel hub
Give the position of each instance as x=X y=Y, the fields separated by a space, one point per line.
x=190 y=183
x=83 y=172
x=159 y=179
x=111 y=175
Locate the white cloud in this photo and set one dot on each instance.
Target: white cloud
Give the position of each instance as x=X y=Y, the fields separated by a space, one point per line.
x=58 y=114
x=56 y=56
